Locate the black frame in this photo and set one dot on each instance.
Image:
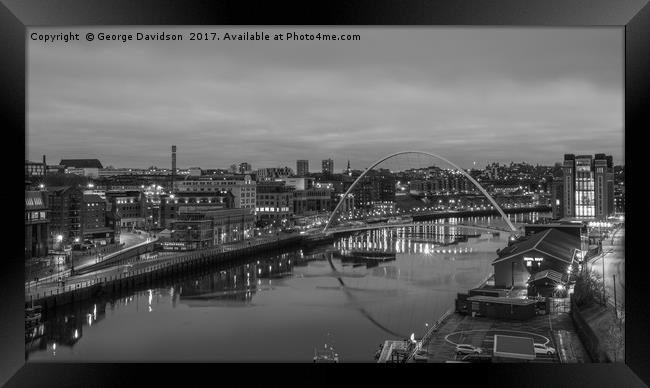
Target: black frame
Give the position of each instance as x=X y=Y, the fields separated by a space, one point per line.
x=15 y=15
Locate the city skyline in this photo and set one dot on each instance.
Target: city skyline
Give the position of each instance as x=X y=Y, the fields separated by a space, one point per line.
x=471 y=95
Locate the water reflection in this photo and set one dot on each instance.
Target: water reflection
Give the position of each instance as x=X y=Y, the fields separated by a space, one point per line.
x=374 y=285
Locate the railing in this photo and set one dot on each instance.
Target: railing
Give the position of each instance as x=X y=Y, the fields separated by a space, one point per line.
x=386 y=225
x=427 y=336
x=180 y=258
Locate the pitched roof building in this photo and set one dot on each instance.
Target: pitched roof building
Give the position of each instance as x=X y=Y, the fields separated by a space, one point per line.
x=547 y=250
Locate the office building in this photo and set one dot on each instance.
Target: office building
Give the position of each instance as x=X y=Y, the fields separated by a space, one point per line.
x=242 y=187
x=65 y=203
x=274 y=202
x=328 y=166
x=97 y=225
x=129 y=206
x=377 y=188
x=302 y=167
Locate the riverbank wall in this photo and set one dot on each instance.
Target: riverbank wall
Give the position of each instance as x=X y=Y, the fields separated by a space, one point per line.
x=184 y=265
x=478 y=213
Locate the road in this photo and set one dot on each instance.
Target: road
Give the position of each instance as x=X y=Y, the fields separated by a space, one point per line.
x=53 y=286
x=614 y=259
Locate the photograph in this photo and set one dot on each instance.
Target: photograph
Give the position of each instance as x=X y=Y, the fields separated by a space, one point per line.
x=348 y=194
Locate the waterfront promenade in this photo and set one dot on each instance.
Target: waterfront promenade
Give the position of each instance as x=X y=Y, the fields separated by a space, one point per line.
x=166 y=262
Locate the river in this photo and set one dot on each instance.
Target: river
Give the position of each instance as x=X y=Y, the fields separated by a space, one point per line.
x=384 y=284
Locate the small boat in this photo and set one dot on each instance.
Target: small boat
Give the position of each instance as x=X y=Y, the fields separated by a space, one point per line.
x=400 y=220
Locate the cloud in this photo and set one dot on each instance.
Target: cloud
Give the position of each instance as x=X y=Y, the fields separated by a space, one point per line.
x=470 y=94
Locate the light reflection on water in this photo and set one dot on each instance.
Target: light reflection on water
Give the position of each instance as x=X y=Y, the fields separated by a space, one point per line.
x=384 y=284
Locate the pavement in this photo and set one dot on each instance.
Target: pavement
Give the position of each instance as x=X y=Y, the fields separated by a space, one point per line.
x=53 y=286
x=613 y=256
x=44 y=268
x=555 y=330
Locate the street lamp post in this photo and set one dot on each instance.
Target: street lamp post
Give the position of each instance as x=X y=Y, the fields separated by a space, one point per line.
x=615 y=304
x=604 y=298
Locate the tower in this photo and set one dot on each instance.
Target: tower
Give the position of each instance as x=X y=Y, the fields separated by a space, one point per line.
x=588 y=186
x=328 y=167
x=173 y=166
x=302 y=167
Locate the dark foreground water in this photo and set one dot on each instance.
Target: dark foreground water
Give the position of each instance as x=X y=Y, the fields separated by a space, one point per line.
x=281 y=307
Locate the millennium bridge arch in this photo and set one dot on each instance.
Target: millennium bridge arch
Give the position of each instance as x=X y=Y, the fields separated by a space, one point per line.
x=474 y=182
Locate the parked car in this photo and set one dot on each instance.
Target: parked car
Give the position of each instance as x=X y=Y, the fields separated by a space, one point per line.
x=477 y=358
x=543 y=349
x=468 y=349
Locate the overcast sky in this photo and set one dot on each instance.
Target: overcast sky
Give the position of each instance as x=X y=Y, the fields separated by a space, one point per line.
x=468 y=94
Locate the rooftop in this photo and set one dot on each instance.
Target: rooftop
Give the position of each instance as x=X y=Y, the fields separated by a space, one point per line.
x=500 y=300
x=553 y=242
x=547 y=274
x=81 y=163
x=90 y=198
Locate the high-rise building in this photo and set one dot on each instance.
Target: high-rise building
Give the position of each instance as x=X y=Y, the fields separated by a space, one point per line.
x=245 y=168
x=302 y=167
x=328 y=166
x=588 y=186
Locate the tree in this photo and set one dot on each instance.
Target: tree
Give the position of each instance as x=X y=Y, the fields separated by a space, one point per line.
x=614 y=343
x=588 y=288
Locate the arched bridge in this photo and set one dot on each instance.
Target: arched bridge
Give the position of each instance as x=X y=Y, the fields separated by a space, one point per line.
x=375 y=164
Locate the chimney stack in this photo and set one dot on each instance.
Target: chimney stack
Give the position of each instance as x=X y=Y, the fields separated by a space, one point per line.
x=173 y=166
